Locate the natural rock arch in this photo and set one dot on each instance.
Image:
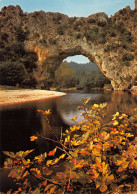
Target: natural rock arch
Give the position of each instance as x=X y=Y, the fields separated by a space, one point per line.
x=109 y=42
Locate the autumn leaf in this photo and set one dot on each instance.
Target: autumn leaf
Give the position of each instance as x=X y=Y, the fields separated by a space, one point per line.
x=110 y=177
x=115 y=115
x=74 y=118
x=61 y=176
x=85 y=101
x=47 y=171
x=91 y=145
x=115 y=122
x=104 y=168
x=104 y=135
x=125 y=165
x=33 y=138
x=51 y=153
x=49 y=162
x=52 y=189
x=47 y=112
x=49 y=187
x=62 y=156
x=80 y=164
x=45 y=183
x=120 y=169
x=103 y=188
x=39 y=110
x=95 y=106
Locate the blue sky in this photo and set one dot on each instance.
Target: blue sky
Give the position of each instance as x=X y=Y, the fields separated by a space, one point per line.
x=71 y=8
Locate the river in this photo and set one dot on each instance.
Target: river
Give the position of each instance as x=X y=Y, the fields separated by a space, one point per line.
x=20 y=121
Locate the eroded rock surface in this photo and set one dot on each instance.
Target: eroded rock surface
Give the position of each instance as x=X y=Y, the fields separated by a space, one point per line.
x=109 y=42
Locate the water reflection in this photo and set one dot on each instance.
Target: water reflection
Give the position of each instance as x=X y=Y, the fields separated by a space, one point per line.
x=121 y=101
x=116 y=101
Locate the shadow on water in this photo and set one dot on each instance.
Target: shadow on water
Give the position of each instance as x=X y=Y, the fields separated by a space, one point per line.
x=20 y=121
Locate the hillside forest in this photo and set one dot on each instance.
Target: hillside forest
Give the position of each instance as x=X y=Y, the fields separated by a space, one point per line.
x=82 y=76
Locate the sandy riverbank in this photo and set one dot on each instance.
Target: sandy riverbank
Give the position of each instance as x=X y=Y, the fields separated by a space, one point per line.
x=26 y=95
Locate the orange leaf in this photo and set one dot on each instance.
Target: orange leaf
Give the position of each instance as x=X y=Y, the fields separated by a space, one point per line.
x=51 y=153
x=125 y=164
x=61 y=176
x=52 y=189
x=74 y=118
x=45 y=182
x=80 y=164
x=103 y=188
x=120 y=169
x=33 y=138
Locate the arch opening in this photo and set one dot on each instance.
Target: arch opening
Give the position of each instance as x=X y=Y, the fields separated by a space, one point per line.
x=78 y=72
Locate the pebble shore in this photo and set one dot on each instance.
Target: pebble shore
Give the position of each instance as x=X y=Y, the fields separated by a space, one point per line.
x=26 y=95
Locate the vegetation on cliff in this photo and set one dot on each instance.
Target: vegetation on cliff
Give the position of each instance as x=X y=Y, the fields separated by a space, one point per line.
x=96 y=154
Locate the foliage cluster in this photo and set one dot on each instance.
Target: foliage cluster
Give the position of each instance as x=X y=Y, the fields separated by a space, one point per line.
x=16 y=64
x=98 y=154
x=11 y=73
x=96 y=34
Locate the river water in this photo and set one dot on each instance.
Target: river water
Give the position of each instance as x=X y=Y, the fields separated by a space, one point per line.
x=19 y=122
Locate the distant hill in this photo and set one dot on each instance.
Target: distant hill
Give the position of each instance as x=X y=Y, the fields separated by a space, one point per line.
x=82 y=67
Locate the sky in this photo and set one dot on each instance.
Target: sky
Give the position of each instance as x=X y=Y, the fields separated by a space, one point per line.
x=78 y=8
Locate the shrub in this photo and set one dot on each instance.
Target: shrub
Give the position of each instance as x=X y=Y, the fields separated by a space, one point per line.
x=52 y=41
x=98 y=155
x=127 y=57
x=126 y=63
x=12 y=73
x=60 y=30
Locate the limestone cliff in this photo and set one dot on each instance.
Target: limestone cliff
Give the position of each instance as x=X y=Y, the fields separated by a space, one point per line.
x=109 y=42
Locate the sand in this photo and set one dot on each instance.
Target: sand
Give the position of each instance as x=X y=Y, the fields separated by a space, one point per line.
x=8 y=97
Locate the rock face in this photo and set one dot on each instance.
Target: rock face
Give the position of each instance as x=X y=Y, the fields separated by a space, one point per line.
x=109 y=42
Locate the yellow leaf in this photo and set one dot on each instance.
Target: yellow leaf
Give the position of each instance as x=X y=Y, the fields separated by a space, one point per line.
x=49 y=162
x=95 y=152
x=115 y=123
x=45 y=154
x=104 y=168
x=117 y=114
x=85 y=101
x=98 y=159
x=55 y=161
x=96 y=106
x=62 y=156
x=119 y=162
x=91 y=145
x=103 y=105
x=98 y=184
x=129 y=135
x=47 y=112
x=104 y=135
